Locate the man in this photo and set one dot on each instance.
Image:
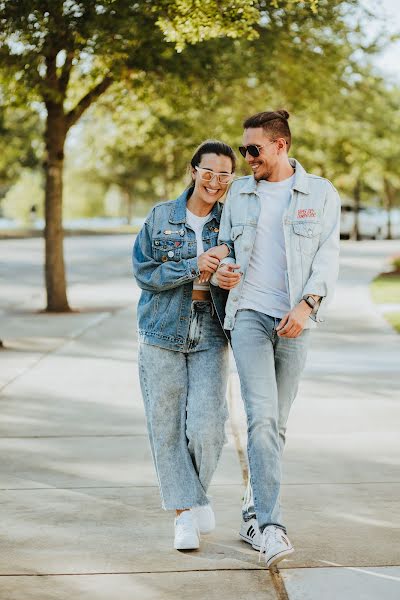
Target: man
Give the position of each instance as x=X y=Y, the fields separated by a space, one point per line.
x=281 y=227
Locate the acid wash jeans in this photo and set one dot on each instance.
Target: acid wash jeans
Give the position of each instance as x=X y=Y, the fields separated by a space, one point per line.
x=184 y=395
x=269 y=369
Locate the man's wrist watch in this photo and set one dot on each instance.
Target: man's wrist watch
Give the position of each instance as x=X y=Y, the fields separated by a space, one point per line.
x=312 y=303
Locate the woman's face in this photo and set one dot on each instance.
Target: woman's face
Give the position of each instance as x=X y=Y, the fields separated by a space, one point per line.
x=211 y=165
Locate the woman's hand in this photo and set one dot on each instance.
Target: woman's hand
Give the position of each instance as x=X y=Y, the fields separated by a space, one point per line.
x=218 y=252
x=207 y=264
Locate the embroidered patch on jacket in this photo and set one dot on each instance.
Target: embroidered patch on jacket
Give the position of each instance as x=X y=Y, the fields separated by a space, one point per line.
x=306 y=213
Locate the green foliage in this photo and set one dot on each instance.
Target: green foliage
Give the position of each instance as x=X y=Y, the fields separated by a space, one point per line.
x=20 y=144
x=386 y=289
x=394 y=320
x=236 y=57
x=26 y=192
x=396 y=263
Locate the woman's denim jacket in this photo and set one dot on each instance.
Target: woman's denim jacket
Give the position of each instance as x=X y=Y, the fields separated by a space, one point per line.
x=165 y=266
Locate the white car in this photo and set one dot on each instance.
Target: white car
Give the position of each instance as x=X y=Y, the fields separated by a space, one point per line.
x=370 y=222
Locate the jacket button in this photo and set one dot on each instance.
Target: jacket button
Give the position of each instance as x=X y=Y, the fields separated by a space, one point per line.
x=164 y=258
x=170 y=253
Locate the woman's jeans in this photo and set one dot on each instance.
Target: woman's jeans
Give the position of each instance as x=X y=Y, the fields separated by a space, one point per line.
x=269 y=369
x=185 y=401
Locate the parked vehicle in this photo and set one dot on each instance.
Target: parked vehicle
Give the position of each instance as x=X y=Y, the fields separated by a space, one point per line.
x=371 y=222
x=394 y=223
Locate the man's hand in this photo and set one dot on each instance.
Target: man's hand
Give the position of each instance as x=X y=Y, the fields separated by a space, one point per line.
x=227 y=277
x=293 y=323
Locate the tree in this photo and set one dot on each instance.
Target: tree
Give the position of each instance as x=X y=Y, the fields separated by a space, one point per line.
x=144 y=144
x=68 y=53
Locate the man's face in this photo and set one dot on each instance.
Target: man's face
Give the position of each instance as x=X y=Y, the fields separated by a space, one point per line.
x=262 y=165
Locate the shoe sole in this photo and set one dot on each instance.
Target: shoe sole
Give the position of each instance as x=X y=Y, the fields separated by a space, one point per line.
x=249 y=540
x=278 y=557
x=188 y=546
x=190 y=543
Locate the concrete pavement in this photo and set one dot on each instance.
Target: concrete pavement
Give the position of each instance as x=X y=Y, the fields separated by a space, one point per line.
x=80 y=503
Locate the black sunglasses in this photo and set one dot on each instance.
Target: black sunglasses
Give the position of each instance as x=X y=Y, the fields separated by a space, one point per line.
x=253 y=149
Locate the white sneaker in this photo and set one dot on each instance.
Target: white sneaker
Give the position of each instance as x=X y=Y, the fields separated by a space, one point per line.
x=187 y=536
x=275 y=544
x=205 y=518
x=250 y=533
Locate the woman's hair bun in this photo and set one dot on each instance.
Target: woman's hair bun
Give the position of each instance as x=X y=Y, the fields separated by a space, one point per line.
x=283 y=113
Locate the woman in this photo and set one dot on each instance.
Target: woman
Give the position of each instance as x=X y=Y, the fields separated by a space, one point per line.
x=183 y=351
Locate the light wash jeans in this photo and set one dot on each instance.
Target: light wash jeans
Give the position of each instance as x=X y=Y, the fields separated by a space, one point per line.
x=269 y=369
x=184 y=395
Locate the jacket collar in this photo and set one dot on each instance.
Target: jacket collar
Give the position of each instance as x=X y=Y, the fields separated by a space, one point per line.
x=178 y=212
x=300 y=180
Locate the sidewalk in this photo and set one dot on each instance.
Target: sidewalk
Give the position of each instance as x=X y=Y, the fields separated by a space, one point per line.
x=80 y=503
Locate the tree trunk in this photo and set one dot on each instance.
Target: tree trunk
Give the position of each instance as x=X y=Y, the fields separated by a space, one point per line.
x=388 y=206
x=128 y=201
x=54 y=235
x=357 y=201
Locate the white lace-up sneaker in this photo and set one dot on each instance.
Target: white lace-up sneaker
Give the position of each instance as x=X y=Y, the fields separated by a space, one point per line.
x=250 y=533
x=187 y=536
x=205 y=518
x=275 y=544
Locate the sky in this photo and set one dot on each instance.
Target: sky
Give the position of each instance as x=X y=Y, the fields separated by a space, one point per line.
x=389 y=61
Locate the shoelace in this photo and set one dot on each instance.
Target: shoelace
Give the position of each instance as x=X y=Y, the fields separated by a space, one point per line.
x=267 y=534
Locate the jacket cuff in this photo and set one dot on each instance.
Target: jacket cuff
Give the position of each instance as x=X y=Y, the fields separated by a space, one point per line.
x=229 y=246
x=193 y=267
x=313 y=289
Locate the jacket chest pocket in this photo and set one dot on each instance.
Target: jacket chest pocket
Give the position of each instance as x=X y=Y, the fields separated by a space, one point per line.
x=167 y=249
x=236 y=232
x=210 y=240
x=307 y=234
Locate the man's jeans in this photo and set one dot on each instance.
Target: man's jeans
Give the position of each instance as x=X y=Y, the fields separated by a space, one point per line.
x=184 y=395
x=269 y=368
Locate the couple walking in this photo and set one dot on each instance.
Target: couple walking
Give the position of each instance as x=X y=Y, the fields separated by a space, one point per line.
x=258 y=272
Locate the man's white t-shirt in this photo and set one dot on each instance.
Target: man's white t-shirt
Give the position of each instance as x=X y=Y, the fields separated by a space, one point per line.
x=264 y=287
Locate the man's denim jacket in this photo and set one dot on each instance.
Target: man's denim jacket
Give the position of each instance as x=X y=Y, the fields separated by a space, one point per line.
x=311 y=226
x=165 y=266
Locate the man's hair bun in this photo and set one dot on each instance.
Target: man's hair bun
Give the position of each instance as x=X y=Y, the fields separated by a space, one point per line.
x=283 y=113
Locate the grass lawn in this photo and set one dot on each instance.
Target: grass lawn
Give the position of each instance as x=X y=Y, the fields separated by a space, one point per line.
x=386 y=289
x=394 y=320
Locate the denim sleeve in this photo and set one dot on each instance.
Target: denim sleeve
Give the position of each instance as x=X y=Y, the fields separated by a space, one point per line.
x=325 y=266
x=224 y=236
x=154 y=276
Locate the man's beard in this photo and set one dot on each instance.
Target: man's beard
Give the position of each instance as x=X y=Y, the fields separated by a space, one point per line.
x=265 y=175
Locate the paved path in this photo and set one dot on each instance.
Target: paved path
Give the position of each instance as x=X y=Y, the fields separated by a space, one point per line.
x=78 y=493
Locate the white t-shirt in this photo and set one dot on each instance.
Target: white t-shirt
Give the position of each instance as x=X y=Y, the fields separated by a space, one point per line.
x=264 y=287
x=197 y=223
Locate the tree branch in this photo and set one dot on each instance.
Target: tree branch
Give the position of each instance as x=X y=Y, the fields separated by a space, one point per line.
x=74 y=115
x=63 y=79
